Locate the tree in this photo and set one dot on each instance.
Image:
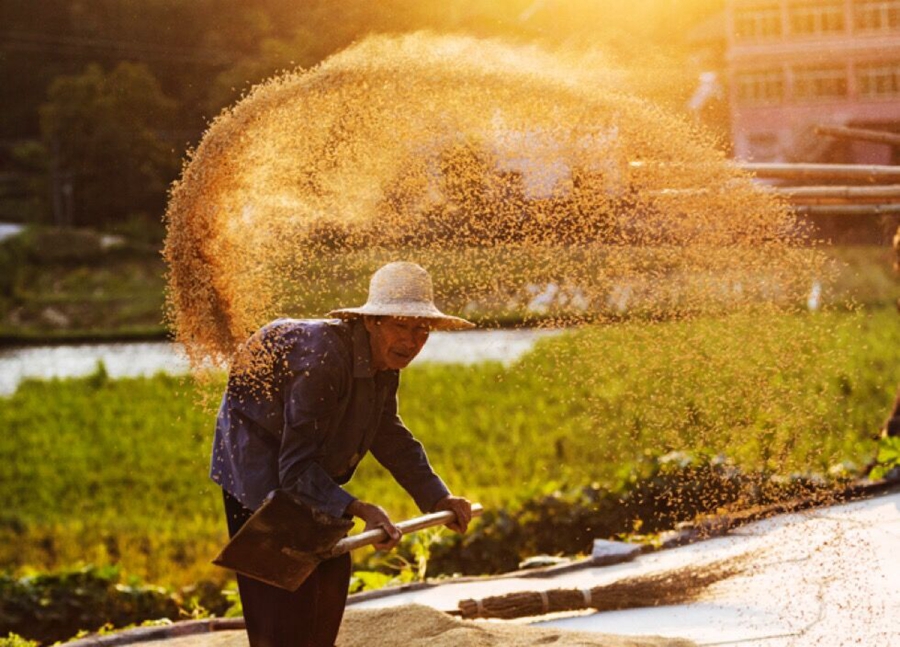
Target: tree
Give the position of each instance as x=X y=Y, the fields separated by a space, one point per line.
x=105 y=133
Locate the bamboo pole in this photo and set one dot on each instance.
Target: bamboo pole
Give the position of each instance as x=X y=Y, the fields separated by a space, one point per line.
x=843 y=132
x=370 y=537
x=815 y=202
x=873 y=173
x=880 y=194
x=883 y=193
x=848 y=209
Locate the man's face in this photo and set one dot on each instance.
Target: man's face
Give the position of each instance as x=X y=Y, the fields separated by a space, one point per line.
x=396 y=341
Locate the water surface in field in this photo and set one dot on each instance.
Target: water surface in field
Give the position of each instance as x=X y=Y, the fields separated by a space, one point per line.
x=8 y=230
x=148 y=358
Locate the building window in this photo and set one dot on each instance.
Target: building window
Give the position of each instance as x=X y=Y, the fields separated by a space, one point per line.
x=760 y=87
x=822 y=17
x=876 y=15
x=881 y=80
x=820 y=82
x=757 y=22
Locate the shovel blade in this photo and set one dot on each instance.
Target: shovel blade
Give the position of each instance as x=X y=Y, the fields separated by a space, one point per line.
x=282 y=542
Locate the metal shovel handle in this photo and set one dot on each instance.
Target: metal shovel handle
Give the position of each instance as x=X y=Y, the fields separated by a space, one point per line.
x=378 y=535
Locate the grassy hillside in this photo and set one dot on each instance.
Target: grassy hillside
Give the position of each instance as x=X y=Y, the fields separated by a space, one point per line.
x=76 y=284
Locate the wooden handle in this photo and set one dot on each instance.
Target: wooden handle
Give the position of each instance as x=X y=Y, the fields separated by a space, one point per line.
x=377 y=535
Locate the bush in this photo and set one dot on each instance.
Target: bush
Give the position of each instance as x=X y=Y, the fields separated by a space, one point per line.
x=13 y=253
x=15 y=640
x=663 y=492
x=57 y=606
x=887 y=459
x=102 y=129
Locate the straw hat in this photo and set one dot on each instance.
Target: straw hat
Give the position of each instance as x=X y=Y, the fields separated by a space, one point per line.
x=403 y=289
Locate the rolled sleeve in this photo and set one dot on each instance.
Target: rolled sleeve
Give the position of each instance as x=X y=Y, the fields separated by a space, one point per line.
x=315 y=488
x=404 y=457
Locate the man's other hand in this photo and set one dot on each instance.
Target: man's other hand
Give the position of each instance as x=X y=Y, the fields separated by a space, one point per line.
x=461 y=507
x=375 y=517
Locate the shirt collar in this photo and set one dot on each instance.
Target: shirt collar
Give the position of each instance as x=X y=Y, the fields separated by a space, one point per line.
x=362 y=351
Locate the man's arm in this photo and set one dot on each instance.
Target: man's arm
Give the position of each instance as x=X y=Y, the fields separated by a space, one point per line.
x=404 y=457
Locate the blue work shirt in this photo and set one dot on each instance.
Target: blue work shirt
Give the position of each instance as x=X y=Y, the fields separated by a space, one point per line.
x=326 y=409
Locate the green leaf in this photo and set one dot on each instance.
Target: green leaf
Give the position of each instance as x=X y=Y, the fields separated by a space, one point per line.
x=889 y=452
x=372 y=579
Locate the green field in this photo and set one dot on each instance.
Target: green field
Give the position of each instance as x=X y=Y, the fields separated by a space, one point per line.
x=97 y=470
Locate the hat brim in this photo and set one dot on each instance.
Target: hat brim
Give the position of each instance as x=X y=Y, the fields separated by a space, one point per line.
x=438 y=320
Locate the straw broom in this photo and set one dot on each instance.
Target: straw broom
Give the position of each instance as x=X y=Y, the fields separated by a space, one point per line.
x=669 y=587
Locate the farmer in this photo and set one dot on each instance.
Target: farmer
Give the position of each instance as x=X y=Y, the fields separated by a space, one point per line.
x=331 y=397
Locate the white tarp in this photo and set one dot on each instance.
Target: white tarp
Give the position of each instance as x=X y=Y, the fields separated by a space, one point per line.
x=829 y=576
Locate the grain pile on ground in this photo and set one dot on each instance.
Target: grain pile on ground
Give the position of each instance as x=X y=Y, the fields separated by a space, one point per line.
x=415 y=625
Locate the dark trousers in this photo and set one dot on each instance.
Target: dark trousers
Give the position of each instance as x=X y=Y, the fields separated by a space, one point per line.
x=307 y=617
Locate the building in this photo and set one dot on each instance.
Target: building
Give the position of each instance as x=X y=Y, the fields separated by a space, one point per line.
x=795 y=64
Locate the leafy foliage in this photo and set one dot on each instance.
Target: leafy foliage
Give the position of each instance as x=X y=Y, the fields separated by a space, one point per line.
x=102 y=129
x=15 y=640
x=888 y=457
x=662 y=492
x=63 y=282
x=13 y=255
x=206 y=53
x=56 y=606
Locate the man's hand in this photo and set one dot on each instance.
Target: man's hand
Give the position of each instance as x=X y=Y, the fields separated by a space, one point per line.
x=376 y=517
x=463 y=509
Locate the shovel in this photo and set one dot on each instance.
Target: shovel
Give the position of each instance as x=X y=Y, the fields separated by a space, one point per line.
x=285 y=540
